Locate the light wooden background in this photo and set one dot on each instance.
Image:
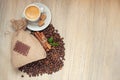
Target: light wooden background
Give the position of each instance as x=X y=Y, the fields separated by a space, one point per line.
x=91 y=31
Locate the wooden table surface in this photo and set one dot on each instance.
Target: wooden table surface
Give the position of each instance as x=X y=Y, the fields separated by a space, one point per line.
x=91 y=31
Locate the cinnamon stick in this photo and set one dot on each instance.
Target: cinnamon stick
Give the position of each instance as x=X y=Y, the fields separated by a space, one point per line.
x=43 y=40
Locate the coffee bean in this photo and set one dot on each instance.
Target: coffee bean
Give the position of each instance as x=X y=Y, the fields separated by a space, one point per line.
x=22 y=75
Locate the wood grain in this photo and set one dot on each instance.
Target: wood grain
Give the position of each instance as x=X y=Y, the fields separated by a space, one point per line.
x=91 y=31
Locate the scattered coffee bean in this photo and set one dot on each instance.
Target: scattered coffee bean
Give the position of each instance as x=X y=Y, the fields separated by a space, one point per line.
x=22 y=75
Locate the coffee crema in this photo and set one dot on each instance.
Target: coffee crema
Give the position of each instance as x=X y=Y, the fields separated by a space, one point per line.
x=32 y=12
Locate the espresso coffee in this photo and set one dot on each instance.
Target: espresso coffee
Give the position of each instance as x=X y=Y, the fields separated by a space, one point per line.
x=32 y=13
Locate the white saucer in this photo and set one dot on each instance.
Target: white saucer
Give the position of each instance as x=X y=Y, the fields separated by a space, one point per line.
x=34 y=25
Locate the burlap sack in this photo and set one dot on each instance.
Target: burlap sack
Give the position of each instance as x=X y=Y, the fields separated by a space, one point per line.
x=25 y=47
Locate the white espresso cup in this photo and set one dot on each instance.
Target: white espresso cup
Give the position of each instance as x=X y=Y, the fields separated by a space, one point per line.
x=32 y=12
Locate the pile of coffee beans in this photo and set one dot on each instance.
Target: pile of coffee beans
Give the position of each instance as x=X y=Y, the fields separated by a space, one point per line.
x=54 y=60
